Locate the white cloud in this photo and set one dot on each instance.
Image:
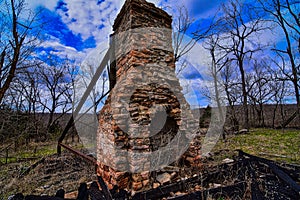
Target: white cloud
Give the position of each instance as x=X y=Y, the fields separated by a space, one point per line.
x=84 y=17
x=95 y=56
x=62 y=50
x=89 y=19
x=50 y=4
x=156 y=2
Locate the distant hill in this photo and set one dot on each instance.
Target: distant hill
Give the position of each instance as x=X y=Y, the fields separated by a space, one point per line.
x=270 y=113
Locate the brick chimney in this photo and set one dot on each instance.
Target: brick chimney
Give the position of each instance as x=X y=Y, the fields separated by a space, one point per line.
x=142 y=124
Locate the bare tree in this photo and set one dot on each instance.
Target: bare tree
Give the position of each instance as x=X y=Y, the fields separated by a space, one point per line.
x=240 y=24
x=21 y=121
x=218 y=62
x=182 y=24
x=184 y=37
x=56 y=89
x=260 y=91
x=99 y=90
x=25 y=87
x=231 y=82
x=18 y=36
x=285 y=14
x=281 y=89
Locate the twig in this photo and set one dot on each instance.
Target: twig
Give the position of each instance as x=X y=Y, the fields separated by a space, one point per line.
x=273 y=155
x=31 y=167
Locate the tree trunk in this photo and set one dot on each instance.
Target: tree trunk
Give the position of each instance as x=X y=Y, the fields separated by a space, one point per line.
x=18 y=42
x=245 y=97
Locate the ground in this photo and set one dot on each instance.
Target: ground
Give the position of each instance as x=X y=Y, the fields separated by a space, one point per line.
x=275 y=144
x=52 y=172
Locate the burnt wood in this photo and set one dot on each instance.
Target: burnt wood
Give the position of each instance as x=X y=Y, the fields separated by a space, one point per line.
x=104 y=188
x=282 y=175
x=231 y=191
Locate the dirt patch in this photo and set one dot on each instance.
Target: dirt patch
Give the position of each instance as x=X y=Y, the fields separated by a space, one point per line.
x=54 y=172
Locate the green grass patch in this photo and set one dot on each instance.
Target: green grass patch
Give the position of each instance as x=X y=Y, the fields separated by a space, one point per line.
x=279 y=145
x=31 y=151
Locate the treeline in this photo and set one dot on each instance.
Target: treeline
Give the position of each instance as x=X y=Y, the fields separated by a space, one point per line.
x=248 y=69
x=273 y=116
x=36 y=89
x=254 y=49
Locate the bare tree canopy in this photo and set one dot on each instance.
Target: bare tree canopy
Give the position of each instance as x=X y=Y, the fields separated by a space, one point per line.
x=240 y=25
x=18 y=37
x=285 y=14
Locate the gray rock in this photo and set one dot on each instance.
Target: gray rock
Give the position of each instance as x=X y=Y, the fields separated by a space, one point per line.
x=163 y=178
x=227 y=160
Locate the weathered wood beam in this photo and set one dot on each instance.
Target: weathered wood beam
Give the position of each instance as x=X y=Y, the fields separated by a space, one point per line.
x=83 y=99
x=80 y=154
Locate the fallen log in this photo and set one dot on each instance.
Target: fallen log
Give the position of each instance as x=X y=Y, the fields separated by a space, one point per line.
x=292 y=170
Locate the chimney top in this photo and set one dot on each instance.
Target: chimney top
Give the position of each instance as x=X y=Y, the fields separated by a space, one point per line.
x=134 y=9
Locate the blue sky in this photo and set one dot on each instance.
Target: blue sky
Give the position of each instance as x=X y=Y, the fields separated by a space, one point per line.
x=80 y=30
x=80 y=26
